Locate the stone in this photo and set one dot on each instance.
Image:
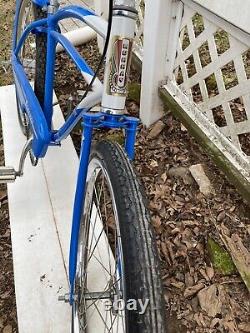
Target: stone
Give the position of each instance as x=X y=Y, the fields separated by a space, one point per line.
x=210 y=300
x=156 y=129
x=201 y=179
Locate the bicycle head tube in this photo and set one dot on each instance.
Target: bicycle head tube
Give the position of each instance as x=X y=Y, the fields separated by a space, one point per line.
x=119 y=57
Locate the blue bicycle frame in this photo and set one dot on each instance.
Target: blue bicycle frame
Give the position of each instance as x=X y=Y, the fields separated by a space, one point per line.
x=40 y=117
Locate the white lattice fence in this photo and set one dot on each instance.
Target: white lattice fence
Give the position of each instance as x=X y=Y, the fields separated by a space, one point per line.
x=213 y=68
x=205 y=77
x=138 y=47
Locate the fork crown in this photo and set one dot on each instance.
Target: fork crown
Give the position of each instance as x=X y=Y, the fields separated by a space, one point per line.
x=111 y=121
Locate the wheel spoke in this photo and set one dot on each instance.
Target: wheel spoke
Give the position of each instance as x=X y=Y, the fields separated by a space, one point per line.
x=27 y=52
x=98 y=200
x=105 y=291
x=107 y=230
x=101 y=252
x=94 y=303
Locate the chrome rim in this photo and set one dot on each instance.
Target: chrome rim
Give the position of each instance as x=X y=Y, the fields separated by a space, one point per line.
x=27 y=52
x=27 y=58
x=99 y=285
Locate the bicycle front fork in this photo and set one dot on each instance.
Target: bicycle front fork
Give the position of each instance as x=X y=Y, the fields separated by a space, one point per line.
x=91 y=121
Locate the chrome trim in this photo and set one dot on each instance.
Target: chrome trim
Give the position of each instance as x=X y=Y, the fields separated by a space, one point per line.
x=112 y=111
x=125 y=13
x=53 y=6
x=127 y=3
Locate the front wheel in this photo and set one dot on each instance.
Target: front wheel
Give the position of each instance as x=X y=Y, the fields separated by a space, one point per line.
x=117 y=285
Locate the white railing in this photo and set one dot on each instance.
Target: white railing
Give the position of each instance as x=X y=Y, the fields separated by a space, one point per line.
x=138 y=47
x=201 y=60
x=198 y=51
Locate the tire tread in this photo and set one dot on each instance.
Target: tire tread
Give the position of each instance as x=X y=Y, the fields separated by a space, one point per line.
x=140 y=253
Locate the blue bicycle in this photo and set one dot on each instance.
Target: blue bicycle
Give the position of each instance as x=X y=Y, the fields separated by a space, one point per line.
x=113 y=264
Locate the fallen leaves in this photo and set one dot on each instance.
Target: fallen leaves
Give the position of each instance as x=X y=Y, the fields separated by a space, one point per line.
x=7 y=329
x=191 y=291
x=207 y=273
x=156 y=221
x=245 y=327
x=7 y=294
x=184 y=218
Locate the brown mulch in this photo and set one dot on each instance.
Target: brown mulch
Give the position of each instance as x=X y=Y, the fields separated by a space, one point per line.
x=8 y=317
x=184 y=219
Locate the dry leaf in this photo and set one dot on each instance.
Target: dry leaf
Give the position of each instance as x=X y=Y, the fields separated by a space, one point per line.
x=189 y=280
x=178 y=284
x=230 y=326
x=210 y=272
x=214 y=322
x=191 y=291
x=245 y=327
x=156 y=221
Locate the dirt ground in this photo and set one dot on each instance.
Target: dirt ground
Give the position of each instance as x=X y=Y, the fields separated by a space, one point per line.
x=8 y=316
x=200 y=298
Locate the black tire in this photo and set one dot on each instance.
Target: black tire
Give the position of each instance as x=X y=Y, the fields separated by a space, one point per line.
x=141 y=262
x=40 y=70
x=39 y=58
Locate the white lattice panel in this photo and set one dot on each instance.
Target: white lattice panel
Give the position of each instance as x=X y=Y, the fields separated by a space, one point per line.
x=212 y=67
x=140 y=6
x=71 y=23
